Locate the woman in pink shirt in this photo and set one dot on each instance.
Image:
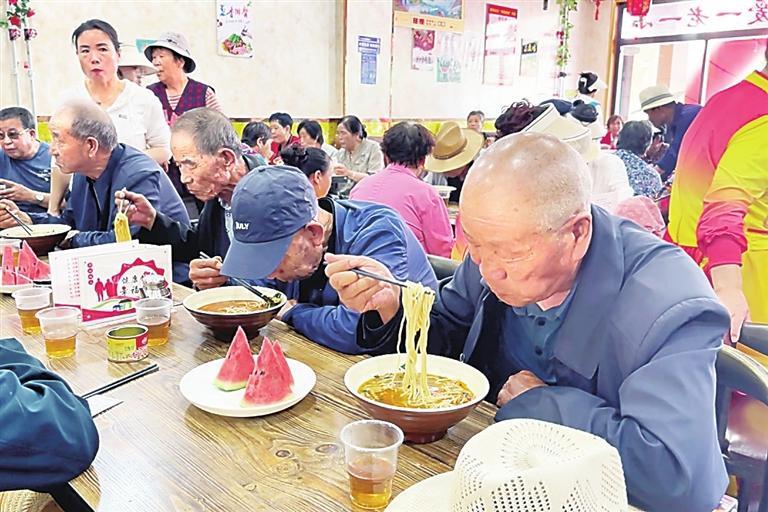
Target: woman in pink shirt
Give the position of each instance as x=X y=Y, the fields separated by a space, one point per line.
x=406 y=146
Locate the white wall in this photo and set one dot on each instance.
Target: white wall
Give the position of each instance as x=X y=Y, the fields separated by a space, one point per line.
x=302 y=64
x=297 y=66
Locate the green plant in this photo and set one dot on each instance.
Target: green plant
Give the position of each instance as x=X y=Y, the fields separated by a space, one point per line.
x=563 y=53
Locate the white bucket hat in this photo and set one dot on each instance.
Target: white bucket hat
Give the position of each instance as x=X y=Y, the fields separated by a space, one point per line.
x=566 y=129
x=130 y=56
x=525 y=465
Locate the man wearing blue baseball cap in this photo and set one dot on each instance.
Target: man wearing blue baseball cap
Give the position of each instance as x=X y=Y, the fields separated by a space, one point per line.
x=281 y=233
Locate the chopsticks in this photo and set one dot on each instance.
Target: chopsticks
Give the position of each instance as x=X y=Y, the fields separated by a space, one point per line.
x=378 y=277
x=123 y=380
x=20 y=222
x=275 y=300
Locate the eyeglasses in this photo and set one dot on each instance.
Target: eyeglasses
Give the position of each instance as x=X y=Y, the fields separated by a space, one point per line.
x=14 y=135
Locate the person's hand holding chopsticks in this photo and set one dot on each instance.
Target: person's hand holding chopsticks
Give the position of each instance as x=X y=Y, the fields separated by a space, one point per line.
x=6 y=218
x=206 y=273
x=361 y=293
x=140 y=212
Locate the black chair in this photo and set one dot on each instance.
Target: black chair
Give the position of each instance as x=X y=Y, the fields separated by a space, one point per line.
x=740 y=437
x=755 y=336
x=443 y=267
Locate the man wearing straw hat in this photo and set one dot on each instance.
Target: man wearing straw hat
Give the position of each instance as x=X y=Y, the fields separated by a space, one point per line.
x=576 y=317
x=674 y=118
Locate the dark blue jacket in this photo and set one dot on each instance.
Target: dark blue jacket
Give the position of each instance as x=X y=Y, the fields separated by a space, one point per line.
x=673 y=135
x=47 y=436
x=127 y=168
x=360 y=229
x=633 y=359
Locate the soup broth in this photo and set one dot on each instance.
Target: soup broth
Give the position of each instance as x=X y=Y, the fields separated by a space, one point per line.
x=388 y=389
x=234 y=307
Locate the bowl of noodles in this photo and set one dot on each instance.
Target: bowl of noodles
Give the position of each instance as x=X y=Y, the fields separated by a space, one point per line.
x=421 y=393
x=43 y=239
x=225 y=308
x=455 y=389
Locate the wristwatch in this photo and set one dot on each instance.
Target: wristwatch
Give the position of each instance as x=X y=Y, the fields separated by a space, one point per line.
x=39 y=198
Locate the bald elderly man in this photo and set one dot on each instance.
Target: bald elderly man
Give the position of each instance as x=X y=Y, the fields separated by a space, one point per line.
x=85 y=144
x=576 y=317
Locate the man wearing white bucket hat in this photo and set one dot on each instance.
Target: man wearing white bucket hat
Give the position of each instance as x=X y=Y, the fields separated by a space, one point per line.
x=576 y=317
x=133 y=65
x=525 y=466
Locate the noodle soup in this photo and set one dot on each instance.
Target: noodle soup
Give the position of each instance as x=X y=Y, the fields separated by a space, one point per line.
x=234 y=307
x=443 y=392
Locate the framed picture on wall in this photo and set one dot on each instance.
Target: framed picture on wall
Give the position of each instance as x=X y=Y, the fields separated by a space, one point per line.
x=433 y=15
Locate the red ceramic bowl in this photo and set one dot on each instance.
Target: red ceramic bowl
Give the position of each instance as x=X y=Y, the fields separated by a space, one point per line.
x=224 y=325
x=418 y=425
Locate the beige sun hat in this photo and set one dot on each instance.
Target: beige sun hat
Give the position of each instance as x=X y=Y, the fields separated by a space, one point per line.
x=455 y=147
x=525 y=465
x=655 y=96
x=130 y=56
x=566 y=129
x=175 y=42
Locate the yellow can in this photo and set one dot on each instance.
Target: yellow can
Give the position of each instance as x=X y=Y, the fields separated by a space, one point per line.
x=127 y=343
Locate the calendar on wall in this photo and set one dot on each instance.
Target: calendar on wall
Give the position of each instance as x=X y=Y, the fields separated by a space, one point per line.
x=104 y=280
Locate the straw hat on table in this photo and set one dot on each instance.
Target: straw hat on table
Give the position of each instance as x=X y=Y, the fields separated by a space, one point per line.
x=525 y=465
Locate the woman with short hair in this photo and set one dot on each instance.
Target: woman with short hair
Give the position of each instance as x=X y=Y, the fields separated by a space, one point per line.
x=634 y=140
x=257 y=136
x=406 y=146
x=281 y=125
x=311 y=135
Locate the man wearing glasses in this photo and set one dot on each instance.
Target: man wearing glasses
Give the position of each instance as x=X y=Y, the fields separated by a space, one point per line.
x=25 y=162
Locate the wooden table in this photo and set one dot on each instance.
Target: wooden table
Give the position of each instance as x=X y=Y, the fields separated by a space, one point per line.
x=159 y=453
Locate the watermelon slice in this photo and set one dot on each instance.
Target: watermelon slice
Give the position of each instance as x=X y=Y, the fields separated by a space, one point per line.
x=27 y=262
x=9 y=270
x=271 y=380
x=238 y=364
x=43 y=271
x=282 y=364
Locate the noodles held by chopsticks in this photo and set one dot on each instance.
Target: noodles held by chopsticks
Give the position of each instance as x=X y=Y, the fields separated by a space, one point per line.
x=417 y=303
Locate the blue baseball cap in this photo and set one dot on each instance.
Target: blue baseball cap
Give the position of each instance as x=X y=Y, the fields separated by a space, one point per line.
x=269 y=205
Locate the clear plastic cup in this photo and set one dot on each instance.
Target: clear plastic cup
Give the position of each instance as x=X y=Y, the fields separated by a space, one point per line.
x=28 y=302
x=370 y=452
x=59 y=326
x=155 y=315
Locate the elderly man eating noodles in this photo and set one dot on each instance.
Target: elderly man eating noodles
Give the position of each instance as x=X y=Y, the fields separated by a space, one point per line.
x=85 y=144
x=281 y=232
x=576 y=317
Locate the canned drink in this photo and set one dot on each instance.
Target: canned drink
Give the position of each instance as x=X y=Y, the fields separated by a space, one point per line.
x=127 y=343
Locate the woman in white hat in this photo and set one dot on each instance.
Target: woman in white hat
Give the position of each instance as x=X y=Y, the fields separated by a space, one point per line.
x=136 y=114
x=133 y=66
x=176 y=91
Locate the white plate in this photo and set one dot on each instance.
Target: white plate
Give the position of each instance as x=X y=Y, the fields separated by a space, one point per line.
x=197 y=387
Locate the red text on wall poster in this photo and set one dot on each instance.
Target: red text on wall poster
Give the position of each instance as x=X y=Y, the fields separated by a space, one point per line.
x=499 y=58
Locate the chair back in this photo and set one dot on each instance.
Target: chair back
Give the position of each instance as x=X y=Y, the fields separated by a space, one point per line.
x=739 y=372
x=755 y=336
x=443 y=267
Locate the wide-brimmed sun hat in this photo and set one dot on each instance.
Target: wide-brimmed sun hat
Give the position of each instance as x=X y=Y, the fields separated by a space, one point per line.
x=454 y=148
x=175 y=42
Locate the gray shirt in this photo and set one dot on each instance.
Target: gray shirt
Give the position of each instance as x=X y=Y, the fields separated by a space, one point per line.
x=367 y=158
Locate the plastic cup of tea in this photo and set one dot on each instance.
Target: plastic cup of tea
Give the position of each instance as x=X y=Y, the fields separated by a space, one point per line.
x=155 y=315
x=59 y=325
x=28 y=302
x=15 y=247
x=370 y=453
